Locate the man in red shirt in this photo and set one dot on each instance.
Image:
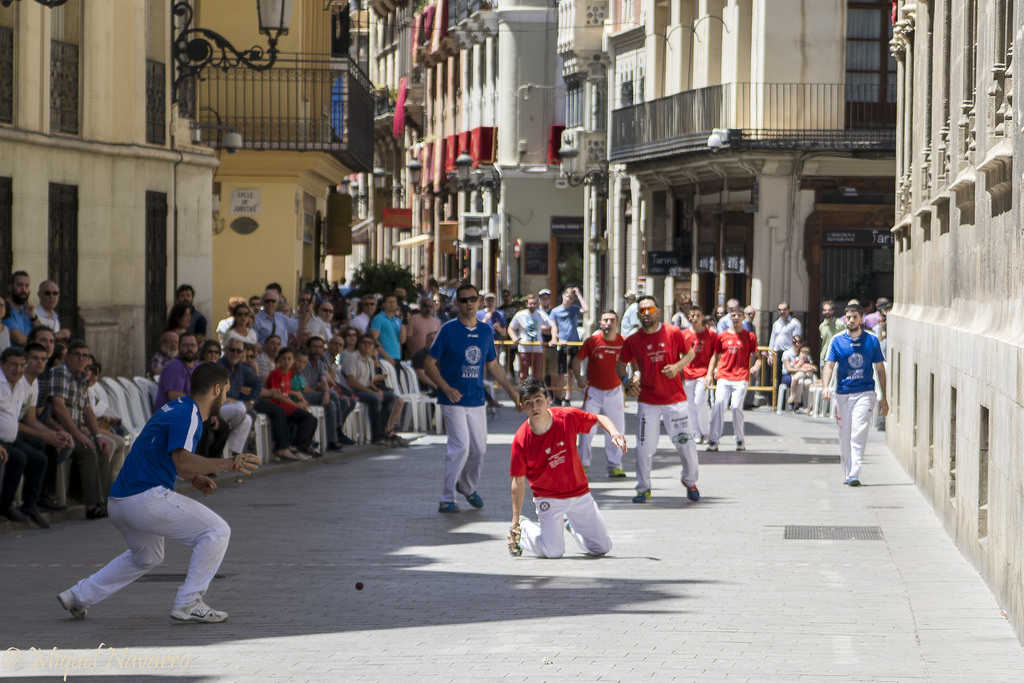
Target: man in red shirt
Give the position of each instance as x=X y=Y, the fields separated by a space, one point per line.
x=602 y=388
x=703 y=340
x=734 y=351
x=660 y=351
x=544 y=453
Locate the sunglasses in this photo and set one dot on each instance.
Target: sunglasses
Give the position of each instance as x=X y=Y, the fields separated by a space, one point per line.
x=270 y=301
x=230 y=350
x=648 y=310
x=468 y=299
x=50 y=293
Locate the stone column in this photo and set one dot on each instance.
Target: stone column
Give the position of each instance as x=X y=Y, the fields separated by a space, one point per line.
x=635 y=221
x=616 y=233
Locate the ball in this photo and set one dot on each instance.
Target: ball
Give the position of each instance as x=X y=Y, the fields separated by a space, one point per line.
x=359 y=585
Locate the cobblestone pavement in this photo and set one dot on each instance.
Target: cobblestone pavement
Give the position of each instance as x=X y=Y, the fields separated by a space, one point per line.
x=706 y=591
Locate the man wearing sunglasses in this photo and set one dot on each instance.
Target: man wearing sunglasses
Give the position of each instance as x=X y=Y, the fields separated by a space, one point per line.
x=272 y=323
x=455 y=363
x=660 y=351
x=46 y=311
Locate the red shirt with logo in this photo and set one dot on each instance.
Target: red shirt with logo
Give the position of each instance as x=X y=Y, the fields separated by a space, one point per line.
x=604 y=357
x=652 y=352
x=703 y=348
x=549 y=461
x=734 y=363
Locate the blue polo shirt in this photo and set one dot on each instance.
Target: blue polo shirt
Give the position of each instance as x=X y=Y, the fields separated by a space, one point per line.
x=854 y=359
x=18 y=319
x=461 y=353
x=389 y=329
x=177 y=425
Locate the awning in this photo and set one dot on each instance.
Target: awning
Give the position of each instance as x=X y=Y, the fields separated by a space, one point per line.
x=417 y=241
x=361 y=231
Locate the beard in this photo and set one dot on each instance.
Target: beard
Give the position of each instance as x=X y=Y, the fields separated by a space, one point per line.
x=20 y=299
x=218 y=403
x=187 y=357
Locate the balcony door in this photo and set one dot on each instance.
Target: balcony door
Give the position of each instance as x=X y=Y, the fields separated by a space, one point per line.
x=870 y=70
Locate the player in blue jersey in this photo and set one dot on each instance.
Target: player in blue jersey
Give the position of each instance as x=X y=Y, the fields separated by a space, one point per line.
x=456 y=362
x=146 y=510
x=852 y=355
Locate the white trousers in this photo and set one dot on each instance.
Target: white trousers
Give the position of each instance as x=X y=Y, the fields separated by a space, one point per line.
x=697 y=403
x=467 y=443
x=611 y=403
x=144 y=520
x=678 y=429
x=239 y=421
x=854 y=414
x=547 y=538
x=732 y=393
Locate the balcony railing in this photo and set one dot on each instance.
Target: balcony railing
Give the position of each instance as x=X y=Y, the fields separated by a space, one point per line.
x=6 y=74
x=156 y=103
x=301 y=106
x=761 y=115
x=63 y=87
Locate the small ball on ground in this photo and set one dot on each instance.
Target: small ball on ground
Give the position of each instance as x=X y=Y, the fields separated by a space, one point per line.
x=359 y=585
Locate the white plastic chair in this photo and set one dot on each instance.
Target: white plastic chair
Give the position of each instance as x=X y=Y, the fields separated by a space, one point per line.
x=149 y=394
x=120 y=402
x=321 y=427
x=781 y=407
x=414 y=388
x=357 y=424
x=391 y=381
x=137 y=402
x=264 y=448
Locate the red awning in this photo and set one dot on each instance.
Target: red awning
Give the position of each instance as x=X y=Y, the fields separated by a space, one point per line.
x=398 y=125
x=428 y=21
x=483 y=145
x=554 y=144
x=450 y=153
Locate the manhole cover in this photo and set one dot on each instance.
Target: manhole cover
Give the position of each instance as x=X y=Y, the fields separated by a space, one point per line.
x=169 y=578
x=820 y=440
x=833 y=533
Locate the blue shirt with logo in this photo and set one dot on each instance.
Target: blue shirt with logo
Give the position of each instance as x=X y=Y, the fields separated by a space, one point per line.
x=389 y=329
x=854 y=359
x=177 y=425
x=19 y=319
x=567 y=317
x=461 y=353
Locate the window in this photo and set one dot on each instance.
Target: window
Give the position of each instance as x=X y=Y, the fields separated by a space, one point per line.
x=156 y=98
x=629 y=77
x=952 y=442
x=573 y=103
x=598 y=104
x=870 y=70
x=983 y=449
x=65 y=37
x=931 y=421
x=913 y=398
x=7 y=64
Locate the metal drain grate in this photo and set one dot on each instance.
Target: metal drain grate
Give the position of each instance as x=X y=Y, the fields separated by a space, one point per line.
x=832 y=533
x=169 y=578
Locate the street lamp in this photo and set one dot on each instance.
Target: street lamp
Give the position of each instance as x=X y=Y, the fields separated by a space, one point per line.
x=380 y=178
x=415 y=173
x=595 y=177
x=196 y=48
x=463 y=164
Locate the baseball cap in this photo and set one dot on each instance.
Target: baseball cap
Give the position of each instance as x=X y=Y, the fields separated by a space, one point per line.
x=544 y=291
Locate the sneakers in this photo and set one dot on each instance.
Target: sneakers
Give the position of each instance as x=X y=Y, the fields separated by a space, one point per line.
x=700 y=440
x=740 y=446
x=852 y=481
x=692 y=493
x=396 y=440
x=712 y=446
x=37 y=517
x=474 y=498
x=199 y=612
x=514 y=540
x=447 y=507
x=642 y=496
x=69 y=602
x=616 y=473
x=345 y=440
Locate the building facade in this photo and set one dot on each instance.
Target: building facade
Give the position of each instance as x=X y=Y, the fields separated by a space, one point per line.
x=101 y=188
x=954 y=335
x=751 y=147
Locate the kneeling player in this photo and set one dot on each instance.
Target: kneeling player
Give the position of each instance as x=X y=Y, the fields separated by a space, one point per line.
x=544 y=452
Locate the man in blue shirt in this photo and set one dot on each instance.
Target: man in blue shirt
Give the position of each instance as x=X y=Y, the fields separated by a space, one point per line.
x=852 y=355
x=270 y=323
x=387 y=329
x=455 y=363
x=145 y=509
x=19 y=319
x=565 y=320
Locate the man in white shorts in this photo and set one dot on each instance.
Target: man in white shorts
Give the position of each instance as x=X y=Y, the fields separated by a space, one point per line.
x=544 y=453
x=734 y=351
x=703 y=340
x=145 y=508
x=852 y=355
x=602 y=388
x=660 y=351
x=462 y=350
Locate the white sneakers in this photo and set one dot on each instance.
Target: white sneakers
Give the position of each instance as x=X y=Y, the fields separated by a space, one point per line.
x=200 y=612
x=69 y=602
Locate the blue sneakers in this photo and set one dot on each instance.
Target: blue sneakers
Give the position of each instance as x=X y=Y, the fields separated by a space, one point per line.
x=692 y=493
x=852 y=481
x=447 y=507
x=474 y=498
x=642 y=496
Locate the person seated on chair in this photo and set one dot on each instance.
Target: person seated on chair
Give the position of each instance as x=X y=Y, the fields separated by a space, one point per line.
x=419 y=364
x=294 y=405
x=111 y=432
x=366 y=377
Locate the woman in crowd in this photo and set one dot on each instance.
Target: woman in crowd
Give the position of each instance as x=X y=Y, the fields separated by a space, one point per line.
x=294 y=406
x=210 y=352
x=241 y=328
x=350 y=336
x=179 y=319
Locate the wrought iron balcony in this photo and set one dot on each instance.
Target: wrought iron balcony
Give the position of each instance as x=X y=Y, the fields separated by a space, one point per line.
x=6 y=74
x=759 y=116
x=300 y=106
x=64 y=86
x=156 y=103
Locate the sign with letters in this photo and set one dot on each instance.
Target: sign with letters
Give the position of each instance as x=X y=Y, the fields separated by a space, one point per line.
x=857 y=238
x=663 y=262
x=245 y=202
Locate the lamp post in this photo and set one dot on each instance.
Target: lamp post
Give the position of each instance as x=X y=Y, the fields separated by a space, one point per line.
x=196 y=48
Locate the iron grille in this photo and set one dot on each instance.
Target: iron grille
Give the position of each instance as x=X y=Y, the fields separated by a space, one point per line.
x=63 y=89
x=6 y=230
x=6 y=74
x=832 y=533
x=156 y=268
x=63 y=261
x=156 y=103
